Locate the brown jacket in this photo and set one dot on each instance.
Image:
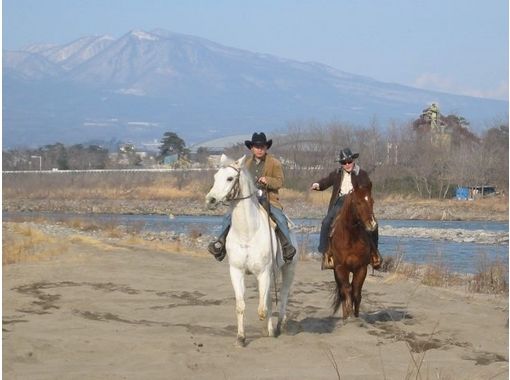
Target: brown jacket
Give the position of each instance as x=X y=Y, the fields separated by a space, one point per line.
x=358 y=177
x=273 y=171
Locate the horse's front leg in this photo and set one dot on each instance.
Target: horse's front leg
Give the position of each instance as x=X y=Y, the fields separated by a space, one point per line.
x=358 y=279
x=344 y=290
x=237 y=278
x=265 y=301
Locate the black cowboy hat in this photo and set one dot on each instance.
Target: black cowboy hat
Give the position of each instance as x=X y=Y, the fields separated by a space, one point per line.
x=346 y=155
x=258 y=139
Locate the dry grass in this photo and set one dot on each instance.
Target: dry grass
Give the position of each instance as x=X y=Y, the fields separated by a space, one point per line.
x=96 y=244
x=154 y=192
x=26 y=243
x=108 y=186
x=490 y=277
x=498 y=204
x=80 y=224
x=92 y=188
x=23 y=243
x=319 y=198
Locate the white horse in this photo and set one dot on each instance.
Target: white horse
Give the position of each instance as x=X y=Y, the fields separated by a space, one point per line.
x=252 y=247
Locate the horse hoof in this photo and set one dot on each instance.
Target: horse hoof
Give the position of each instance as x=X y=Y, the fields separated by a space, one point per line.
x=241 y=341
x=279 y=328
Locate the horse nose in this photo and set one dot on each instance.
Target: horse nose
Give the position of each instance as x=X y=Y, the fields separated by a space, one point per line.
x=210 y=201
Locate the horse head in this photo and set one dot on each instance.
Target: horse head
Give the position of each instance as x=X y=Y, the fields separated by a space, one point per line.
x=226 y=185
x=364 y=205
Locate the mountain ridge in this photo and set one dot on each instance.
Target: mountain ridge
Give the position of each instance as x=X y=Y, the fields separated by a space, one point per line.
x=195 y=87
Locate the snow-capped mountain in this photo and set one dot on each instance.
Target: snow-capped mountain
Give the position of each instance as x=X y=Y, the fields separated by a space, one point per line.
x=146 y=83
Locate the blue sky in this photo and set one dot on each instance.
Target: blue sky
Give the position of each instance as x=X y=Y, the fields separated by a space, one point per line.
x=456 y=46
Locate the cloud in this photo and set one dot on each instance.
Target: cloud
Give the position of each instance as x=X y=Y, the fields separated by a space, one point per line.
x=436 y=82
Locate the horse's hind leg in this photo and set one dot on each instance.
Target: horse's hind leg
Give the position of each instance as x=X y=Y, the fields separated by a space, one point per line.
x=237 y=278
x=265 y=301
x=357 y=284
x=287 y=279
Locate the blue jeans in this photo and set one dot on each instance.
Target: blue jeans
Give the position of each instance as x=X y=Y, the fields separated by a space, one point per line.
x=326 y=224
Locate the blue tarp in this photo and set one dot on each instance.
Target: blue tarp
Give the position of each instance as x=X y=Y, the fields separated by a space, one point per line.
x=462 y=193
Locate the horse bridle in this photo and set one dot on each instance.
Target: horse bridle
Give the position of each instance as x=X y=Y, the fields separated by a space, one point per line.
x=234 y=192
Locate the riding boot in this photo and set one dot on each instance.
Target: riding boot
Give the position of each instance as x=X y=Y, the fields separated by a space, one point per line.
x=327 y=261
x=375 y=257
x=288 y=249
x=217 y=247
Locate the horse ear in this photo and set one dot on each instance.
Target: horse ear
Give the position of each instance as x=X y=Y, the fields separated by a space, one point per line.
x=241 y=161
x=224 y=160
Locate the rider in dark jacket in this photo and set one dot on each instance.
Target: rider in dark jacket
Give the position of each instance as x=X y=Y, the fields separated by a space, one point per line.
x=342 y=180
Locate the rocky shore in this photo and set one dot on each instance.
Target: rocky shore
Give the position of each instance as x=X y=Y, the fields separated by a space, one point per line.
x=495 y=209
x=199 y=240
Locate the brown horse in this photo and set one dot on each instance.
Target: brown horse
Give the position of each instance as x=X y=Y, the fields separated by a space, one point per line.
x=351 y=246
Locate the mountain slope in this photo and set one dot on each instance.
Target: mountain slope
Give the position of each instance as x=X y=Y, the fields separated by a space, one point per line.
x=145 y=83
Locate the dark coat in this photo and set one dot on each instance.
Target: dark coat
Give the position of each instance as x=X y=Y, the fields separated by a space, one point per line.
x=359 y=177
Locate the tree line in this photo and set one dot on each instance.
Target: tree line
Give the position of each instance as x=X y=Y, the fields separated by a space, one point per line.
x=91 y=156
x=401 y=160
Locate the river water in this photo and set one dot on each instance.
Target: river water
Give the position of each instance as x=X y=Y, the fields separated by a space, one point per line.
x=457 y=256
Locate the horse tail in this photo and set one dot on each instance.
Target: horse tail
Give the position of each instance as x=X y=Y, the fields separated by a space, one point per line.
x=338 y=297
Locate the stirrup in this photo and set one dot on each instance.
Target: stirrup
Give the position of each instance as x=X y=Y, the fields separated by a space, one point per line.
x=217 y=250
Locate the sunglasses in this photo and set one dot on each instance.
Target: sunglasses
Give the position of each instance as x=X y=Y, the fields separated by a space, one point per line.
x=346 y=162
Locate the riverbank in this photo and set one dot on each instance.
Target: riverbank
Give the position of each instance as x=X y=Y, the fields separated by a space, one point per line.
x=133 y=308
x=296 y=206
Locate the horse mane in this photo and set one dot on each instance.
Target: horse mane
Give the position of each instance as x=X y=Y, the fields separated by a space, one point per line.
x=252 y=188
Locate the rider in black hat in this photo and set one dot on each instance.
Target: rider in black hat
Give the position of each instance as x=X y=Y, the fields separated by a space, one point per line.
x=342 y=181
x=267 y=172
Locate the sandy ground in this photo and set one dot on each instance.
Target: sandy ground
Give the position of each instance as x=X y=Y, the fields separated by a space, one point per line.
x=107 y=310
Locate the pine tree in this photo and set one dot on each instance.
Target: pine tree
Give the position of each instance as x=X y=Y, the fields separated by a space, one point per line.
x=172 y=144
